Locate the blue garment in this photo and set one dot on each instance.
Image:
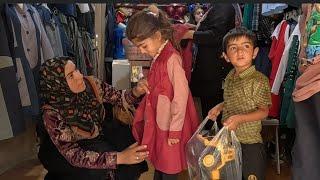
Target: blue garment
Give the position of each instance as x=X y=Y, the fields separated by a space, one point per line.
x=18 y=54
x=50 y=23
x=11 y=116
x=262 y=61
x=312 y=51
x=118 y=48
x=66 y=9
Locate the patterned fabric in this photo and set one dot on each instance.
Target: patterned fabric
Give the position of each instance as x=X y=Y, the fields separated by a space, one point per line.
x=81 y=110
x=255 y=16
x=67 y=142
x=244 y=94
x=265 y=29
x=287 y=116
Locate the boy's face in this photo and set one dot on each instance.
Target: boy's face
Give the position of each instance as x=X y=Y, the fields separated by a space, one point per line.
x=240 y=52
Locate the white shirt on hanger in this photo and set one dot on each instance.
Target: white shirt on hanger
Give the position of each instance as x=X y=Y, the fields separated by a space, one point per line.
x=84 y=7
x=284 y=60
x=269 y=9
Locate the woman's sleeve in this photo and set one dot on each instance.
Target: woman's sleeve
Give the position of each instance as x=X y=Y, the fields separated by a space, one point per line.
x=65 y=141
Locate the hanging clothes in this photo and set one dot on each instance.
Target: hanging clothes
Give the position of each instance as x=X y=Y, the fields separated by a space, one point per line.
x=265 y=30
x=66 y=9
x=85 y=18
x=247 y=16
x=262 y=62
x=238 y=15
x=287 y=116
x=255 y=17
x=284 y=61
x=118 y=46
x=11 y=117
x=50 y=22
x=90 y=54
x=30 y=48
x=280 y=37
x=110 y=25
x=269 y=9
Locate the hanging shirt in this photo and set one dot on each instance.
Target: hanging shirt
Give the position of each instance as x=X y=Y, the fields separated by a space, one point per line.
x=255 y=16
x=284 y=61
x=269 y=9
x=280 y=37
x=11 y=117
x=287 y=115
x=30 y=46
x=50 y=23
x=28 y=34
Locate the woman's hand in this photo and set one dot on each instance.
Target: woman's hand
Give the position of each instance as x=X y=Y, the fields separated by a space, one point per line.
x=172 y=142
x=133 y=154
x=188 y=35
x=141 y=88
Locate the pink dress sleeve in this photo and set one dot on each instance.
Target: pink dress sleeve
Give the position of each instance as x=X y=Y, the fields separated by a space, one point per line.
x=66 y=143
x=181 y=92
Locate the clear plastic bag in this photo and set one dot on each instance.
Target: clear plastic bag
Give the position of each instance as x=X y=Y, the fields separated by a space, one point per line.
x=221 y=159
x=195 y=147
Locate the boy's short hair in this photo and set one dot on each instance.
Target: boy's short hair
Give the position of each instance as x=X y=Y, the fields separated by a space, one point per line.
x=237 y=32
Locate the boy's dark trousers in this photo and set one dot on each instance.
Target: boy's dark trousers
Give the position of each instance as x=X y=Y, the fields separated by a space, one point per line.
x=254 y=161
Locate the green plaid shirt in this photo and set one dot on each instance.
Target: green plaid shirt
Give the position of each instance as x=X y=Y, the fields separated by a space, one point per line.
x=244 y=94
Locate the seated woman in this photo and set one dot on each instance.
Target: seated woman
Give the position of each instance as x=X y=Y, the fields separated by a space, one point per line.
x=72 y=146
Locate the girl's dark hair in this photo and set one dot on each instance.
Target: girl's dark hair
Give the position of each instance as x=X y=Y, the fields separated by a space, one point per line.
x=145 y=24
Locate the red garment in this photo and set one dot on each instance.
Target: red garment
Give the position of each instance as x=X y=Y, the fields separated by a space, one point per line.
x=179 y=31
x=149 y=131
x=276 y=51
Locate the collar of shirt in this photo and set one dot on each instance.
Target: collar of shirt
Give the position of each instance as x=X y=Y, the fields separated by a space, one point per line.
x=160 y=50
x=248 y=72
x=23 y=11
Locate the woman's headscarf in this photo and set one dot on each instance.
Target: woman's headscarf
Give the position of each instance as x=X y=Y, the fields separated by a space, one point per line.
x=81 y=110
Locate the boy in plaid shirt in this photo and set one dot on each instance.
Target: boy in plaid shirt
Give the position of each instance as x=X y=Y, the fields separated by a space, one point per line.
x=247 y=98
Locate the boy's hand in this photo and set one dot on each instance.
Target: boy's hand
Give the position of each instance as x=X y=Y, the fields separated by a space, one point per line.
x=214 y=112
x=233 y=122
x=173 y=141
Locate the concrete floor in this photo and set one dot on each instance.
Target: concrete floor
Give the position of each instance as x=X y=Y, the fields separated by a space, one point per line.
x=33 y=170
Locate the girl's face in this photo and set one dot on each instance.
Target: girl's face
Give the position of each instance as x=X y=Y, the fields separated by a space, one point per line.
x=150 y=45
x=198 y=14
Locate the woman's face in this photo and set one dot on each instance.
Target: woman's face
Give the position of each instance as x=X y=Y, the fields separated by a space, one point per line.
x=74 y=78
x=198 y=14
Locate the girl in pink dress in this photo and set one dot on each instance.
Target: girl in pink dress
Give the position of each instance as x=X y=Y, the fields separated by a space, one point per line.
x=166 y=118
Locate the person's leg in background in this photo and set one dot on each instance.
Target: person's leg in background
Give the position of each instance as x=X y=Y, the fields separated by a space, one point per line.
x=254 y=161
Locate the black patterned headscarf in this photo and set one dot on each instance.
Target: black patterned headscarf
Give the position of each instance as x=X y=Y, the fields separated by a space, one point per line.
x=82 y=110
